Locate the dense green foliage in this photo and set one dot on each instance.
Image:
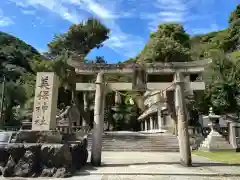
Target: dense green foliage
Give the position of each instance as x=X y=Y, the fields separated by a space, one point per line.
x=168 y=44
x=16 y=59
x=80 y=38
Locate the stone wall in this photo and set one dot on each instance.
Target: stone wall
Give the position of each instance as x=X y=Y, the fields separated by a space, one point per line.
x=44 y=160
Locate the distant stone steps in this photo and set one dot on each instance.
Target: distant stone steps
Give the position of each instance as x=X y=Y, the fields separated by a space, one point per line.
x=138 y=142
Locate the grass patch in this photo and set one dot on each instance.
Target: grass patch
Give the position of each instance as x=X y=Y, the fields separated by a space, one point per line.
x=228 y=157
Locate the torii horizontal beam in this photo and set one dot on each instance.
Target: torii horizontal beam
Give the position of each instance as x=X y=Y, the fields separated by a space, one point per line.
x=150 y=68
x=128 y=86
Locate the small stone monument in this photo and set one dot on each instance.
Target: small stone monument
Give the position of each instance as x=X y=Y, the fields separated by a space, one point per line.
x=44 y=112
x=214 y=141
x=45 y=102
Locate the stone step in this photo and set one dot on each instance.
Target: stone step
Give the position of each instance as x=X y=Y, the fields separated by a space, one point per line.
x=130 y=142
x=145 y=139
x=146 y=143
x=150 y=140
x=142 y=150
x=138 y=144
x=136 y=141
x=139 y=139
x=138 y=149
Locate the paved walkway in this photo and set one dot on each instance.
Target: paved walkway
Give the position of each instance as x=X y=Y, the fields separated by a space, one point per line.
x=144 y=165
x=153 y=166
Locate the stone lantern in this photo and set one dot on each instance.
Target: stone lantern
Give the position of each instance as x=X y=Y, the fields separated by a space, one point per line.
x=214 y=121
x=214 y=141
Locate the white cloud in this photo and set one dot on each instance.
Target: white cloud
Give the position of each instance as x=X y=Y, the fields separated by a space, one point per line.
x=55 y=6
x=166 y=11
x=98 y=9
x=107 y=11
x=192 y=13
x=119 y=41
x=28 y=12
x=19 y=3
x=213 y=27
x=5 y=21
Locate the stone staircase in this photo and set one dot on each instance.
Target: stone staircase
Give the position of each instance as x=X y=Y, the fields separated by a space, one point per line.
x=138 y=142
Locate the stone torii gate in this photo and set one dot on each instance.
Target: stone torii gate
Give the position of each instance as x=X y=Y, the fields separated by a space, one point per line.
x=178 y=69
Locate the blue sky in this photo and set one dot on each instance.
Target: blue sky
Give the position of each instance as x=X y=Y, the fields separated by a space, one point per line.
x=130 y=21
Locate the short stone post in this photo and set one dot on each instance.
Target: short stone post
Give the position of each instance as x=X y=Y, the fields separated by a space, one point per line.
x=98 y=121
x=232 y=134
x=183 y=136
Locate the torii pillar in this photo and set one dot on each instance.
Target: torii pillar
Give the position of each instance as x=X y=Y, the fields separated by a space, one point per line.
x=98 y=121
x=180 y=106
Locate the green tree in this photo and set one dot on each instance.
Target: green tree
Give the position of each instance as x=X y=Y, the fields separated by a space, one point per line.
x=232 y=41
x=235 y=15
x=14 y=96
x=170 y=43
x=223 y=84
x=80 y=39
x=202 y=45
x=76 y=43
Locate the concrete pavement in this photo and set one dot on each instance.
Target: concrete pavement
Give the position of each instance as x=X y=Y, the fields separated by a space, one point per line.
x=145 y=165
x=153 y=166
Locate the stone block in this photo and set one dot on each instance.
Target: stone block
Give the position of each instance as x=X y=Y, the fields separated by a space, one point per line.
x=215 y=142
x=45 y=160
x=33 y=136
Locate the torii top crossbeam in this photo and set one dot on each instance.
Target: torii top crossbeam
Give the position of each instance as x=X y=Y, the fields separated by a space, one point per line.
x=150 y=68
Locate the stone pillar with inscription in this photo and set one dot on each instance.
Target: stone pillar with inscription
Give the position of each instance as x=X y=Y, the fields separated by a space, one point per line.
x=45 y=102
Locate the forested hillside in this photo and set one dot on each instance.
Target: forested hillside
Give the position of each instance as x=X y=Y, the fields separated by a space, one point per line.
x=171 y=42
x=19 y=62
